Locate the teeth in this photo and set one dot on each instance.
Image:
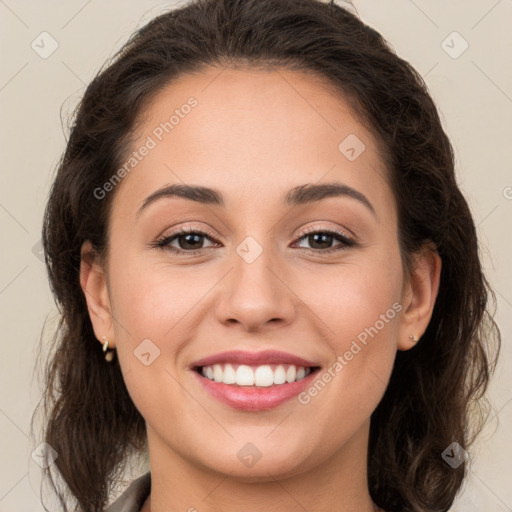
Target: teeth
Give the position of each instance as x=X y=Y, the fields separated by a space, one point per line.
x=217 y=373
x=279 y=376
x=261 y=376
x=229 y=375
x=291 y=373
x=244 y=376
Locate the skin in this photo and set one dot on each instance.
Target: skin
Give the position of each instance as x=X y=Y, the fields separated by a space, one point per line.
x=254 y=135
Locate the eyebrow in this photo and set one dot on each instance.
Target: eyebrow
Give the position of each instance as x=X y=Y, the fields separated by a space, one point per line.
x=300 y=195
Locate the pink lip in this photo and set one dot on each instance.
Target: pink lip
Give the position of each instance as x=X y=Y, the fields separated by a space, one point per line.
x=252 y=398
x=253 y=358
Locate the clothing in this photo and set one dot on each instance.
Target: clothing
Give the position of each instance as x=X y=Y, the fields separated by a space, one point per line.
x=134 y=496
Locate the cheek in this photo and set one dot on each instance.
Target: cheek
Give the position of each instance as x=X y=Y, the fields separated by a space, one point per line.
x=358 y=309
x=147 y=305
x=351 y=297
x=149 y=298
x=157 y=309
x=361 y=320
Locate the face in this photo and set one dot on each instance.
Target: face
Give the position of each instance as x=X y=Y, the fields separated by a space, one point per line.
x=291 y=261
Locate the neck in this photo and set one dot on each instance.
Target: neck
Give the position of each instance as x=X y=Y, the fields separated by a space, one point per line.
x=336 y=484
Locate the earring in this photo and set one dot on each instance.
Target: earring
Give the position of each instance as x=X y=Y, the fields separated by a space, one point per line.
x=413 y=338
x=110 y=354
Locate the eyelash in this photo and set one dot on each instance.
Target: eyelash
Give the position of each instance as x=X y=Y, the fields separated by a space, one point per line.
x=163 y=243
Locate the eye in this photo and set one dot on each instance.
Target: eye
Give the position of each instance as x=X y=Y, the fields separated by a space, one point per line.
x=321 y=240
x=189 y=241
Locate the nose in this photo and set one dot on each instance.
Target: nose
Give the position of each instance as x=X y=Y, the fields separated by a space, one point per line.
x=255 y=295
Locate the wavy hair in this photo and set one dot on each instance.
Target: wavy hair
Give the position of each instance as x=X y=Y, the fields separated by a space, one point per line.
x=436 y=393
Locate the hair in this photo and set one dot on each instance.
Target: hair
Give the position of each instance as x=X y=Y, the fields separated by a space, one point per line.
x=436 y=390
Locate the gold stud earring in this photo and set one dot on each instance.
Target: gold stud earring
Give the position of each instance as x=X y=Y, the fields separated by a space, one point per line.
x=110 y=354
x=413 y=338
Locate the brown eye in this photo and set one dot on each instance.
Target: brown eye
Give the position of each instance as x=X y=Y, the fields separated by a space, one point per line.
x=321 y=241
x=189 y=241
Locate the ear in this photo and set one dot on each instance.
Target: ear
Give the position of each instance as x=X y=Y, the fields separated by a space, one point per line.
x=419 y=296
x=94 y=285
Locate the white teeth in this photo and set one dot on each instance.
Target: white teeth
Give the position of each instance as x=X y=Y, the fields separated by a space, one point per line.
x=261 y=376
x=229 y=375
x=244 y=375
x=279 y=375
x=291 y=373
x=264 y=376
x=217 y=373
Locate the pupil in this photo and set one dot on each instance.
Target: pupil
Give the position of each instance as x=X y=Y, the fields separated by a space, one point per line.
x=196 y=238
x=327 y=239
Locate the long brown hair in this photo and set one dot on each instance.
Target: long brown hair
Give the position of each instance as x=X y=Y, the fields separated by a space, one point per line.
x=436 y=392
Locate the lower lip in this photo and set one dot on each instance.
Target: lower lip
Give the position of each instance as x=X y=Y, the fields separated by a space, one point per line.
x=250 y=398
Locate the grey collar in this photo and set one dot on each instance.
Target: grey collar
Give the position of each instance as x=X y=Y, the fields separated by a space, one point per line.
x=134 y=496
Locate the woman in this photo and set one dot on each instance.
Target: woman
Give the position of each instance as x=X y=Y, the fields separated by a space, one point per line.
x=268 y=277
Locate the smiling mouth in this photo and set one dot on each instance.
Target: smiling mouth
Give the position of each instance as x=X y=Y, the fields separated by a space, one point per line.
x=265 y=375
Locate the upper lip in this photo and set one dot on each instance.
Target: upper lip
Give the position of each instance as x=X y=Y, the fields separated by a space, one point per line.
x=253 y=358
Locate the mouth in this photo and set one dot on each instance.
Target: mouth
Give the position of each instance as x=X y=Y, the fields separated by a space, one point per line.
x=254 y=381
x=262 y=376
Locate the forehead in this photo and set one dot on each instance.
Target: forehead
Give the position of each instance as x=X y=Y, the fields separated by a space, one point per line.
x=250 y=132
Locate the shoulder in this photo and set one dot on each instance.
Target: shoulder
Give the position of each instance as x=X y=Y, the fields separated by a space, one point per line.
x=134 y=496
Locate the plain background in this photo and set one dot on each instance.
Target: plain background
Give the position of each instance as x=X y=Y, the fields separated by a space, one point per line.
x=473 y=91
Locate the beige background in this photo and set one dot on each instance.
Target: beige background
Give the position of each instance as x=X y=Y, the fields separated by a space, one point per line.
x=472 y=91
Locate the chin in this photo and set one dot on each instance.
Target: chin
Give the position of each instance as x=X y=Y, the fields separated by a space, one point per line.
x=257 y=462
